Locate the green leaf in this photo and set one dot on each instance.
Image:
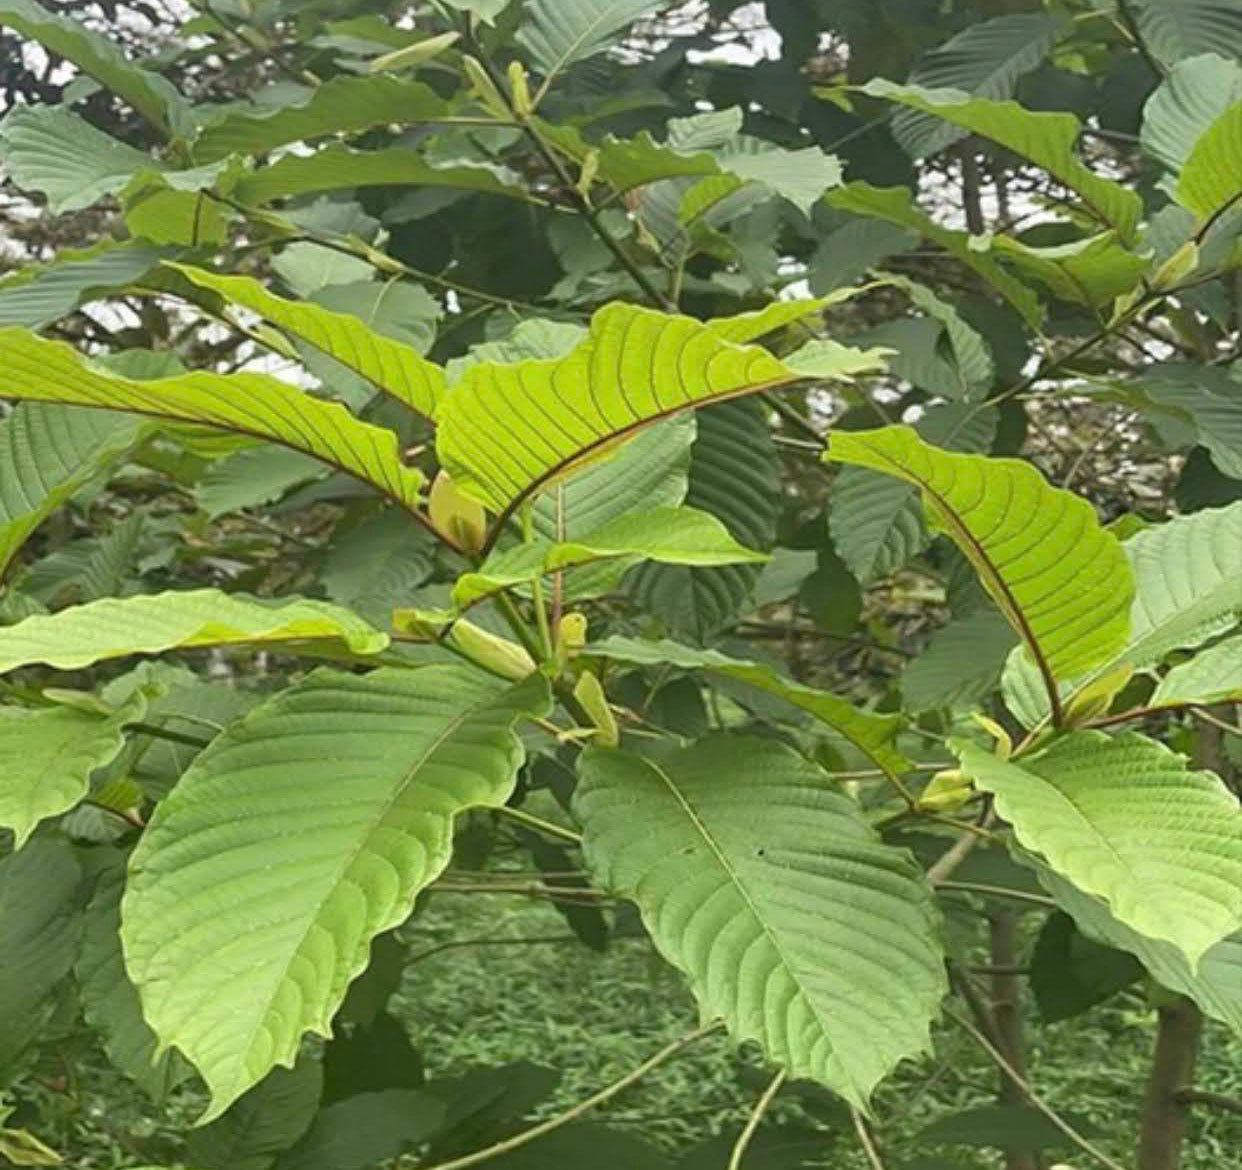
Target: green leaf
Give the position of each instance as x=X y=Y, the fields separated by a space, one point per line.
x=1008 y=1127
x=557 y=33
x=365 y=1130
x=100 y=57
x=1211 y=676
x=748 y=867
x=1071 y=973
x=1196 y=92
x=110 y=1001
x=984 y=60
x=47 y=758
x=249 y=404
x=1174 y=29
x=363 y=828
x=896 y=205
x=735 y=476
x=1124 y=820
x=153 y=623
x=1092 y=271
x=339 y=168
x=390 y=365
x=1216 y=986
x=1211 y=178
x=255 y=476
x=38 y=294
x=267 y=1120
x=377 y=566
x=40 y=922
x=506 y=431
x=1049 y=140
x=52 y=151
x=870 y=733
x=342 y=105
x=876 y=521
x=48 y=453
x=1060 y=579
x=670 y=536
x=961 y=664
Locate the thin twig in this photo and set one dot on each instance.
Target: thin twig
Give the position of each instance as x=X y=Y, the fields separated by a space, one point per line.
x=997 y=892
x=869 y=1148
x=539 y=824
x=456 y=944
x=752 y=1122
x=1212 y=1100
x=518 y=1140
x=1036 y=1100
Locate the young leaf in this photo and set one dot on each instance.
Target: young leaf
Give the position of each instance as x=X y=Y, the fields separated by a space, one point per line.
x=116 y=627
x=47 y=757
x=1049 y=140
x=390 y=365
x=508 y=430
x=150 y=94
x=248 y=404
x=1060 y=579
x=749 y=867
x=1211 y=676
x=48 y=453
x=670 y=536
x=1124 y=820
x=870 y=733
x=362 y=828
x=342 y=105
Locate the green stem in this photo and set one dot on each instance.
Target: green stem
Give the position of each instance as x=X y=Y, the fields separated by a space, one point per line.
x=539 y=824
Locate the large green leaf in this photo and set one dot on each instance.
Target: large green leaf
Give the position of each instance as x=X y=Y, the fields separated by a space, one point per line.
x=357 y=832
x=257 y=475
x=110 y=1001
x=1174 y=29
x=390 y=365
x=1060 y=579
x=896 y=205
x=1123 y=819
x=1211 y=178
x=47 y=757
x=1092 y=271
x=52 y=151
x=339 y=168
x=342 y=105
x=670 y=536
x=249 y=404
x=870 y=733
x=508 y=430
x=1049 y=140
x=38 y=294
x=961 y=664
x=1216 y=985
x=876 y=521
x=984 y=60
x=750 y=868
x=376 y=567
x=364 y=1130
x=1188 y=589
x=1197 y=91
x=48 y=453
x=735 y=475
x=556 y=33
x=41 y=924
x=150 y=624
x=100 y=57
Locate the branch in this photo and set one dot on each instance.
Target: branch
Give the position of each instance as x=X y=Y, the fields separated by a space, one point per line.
x=869 y=1148
x=1213 y=1100
x=752 y=1122
x=1036 y=1100
x=518 y=1140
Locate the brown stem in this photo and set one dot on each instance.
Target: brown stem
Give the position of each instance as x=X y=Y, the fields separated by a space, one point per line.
x=972 y=201
x=1007 y=1017
x=1213 y=1100
x=1166 y=1110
